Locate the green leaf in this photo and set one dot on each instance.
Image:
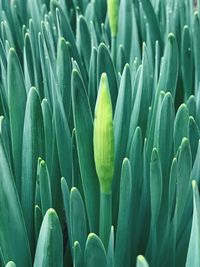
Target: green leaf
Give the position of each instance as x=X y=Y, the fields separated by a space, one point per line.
x=35 y=12
x=62 y=23
x=83 y=40
x=95 y=254
x=64 y=69
x=195 y=172
x=37 y=189
x=183 y=178
x=48 y=131
x=138 y=85
x=29 y=70
x=121 y=122
x=16 y=91
x=78 y=255
x=194 y=136
x=193 y=257
x=10 y=264
x=45 y=69
x=92 y=84
x=169 y=67
x=110 y=253
x=137 y=169
x=12 y=222
x=45 y=187
x=49 y=250
x=38 y=221
x=63 y=137
x=146 y=90
x=155 y=187
x=36 y=56
x=172 y=188
x=105 y=64
x=76 y=176
x=196 y=40
x=121 y=59
x=122 y=249
x=156 y=195
x=48 y=42
x=31 y=150
x=7 y=33
x=180 y=126
x=4 y=128
x=152 y=21
x=165 y=133
x=77 y=218
x=84 y=135
x=125 y=28
x=191 y=105
x=141 y=262
x=187 y=62
x=66 y=203
x=122 y=115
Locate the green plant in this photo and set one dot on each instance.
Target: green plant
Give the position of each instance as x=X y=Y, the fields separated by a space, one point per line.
x=99 y=133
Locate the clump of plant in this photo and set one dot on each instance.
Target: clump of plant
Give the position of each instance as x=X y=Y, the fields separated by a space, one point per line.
x=99 y=133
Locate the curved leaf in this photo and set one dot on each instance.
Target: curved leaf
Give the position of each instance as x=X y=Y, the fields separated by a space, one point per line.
x=49 y=248
x=95 y=254
x=16 y=103
x=31 y=150
x=84 y=135
x=12 y=223
x=193 y=257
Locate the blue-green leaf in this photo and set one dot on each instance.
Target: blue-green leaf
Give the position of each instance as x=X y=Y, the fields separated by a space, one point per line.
x=180 y=126
x=77 y=218
x=49 y=248
x=105 y=64
x=84 y=136
x=12 y=222
x=45 y=187
x=78 y=255
x=16 y=103
x=95 y=254
x=141 y=262
x=10 y=264
x=34 y=131
x=122 y=256
x=193 y=257
x=187 y=62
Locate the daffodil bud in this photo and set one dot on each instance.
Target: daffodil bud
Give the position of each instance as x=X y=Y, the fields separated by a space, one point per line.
x=113 y=6
x=103 y=138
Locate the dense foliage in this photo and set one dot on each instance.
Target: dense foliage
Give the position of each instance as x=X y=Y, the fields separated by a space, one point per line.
x=99 y=133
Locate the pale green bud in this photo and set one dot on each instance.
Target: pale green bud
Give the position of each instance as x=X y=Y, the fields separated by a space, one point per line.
x=113 y=6
x=103 y=138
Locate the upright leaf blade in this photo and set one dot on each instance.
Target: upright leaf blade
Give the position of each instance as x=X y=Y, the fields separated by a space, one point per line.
x=50 y=244
x=123 y=224
x=45 y=187
x=12 y=222
x=34 y=132
x=193 y=257
x=16 y=103
x=141 y=262
x=10 y=264
x=77 y=218
x=84 y=135
x=95 y=254
x=105 y=64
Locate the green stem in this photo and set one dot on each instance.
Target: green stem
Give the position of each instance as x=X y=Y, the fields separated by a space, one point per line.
x=114 y=49
x=105 y=217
